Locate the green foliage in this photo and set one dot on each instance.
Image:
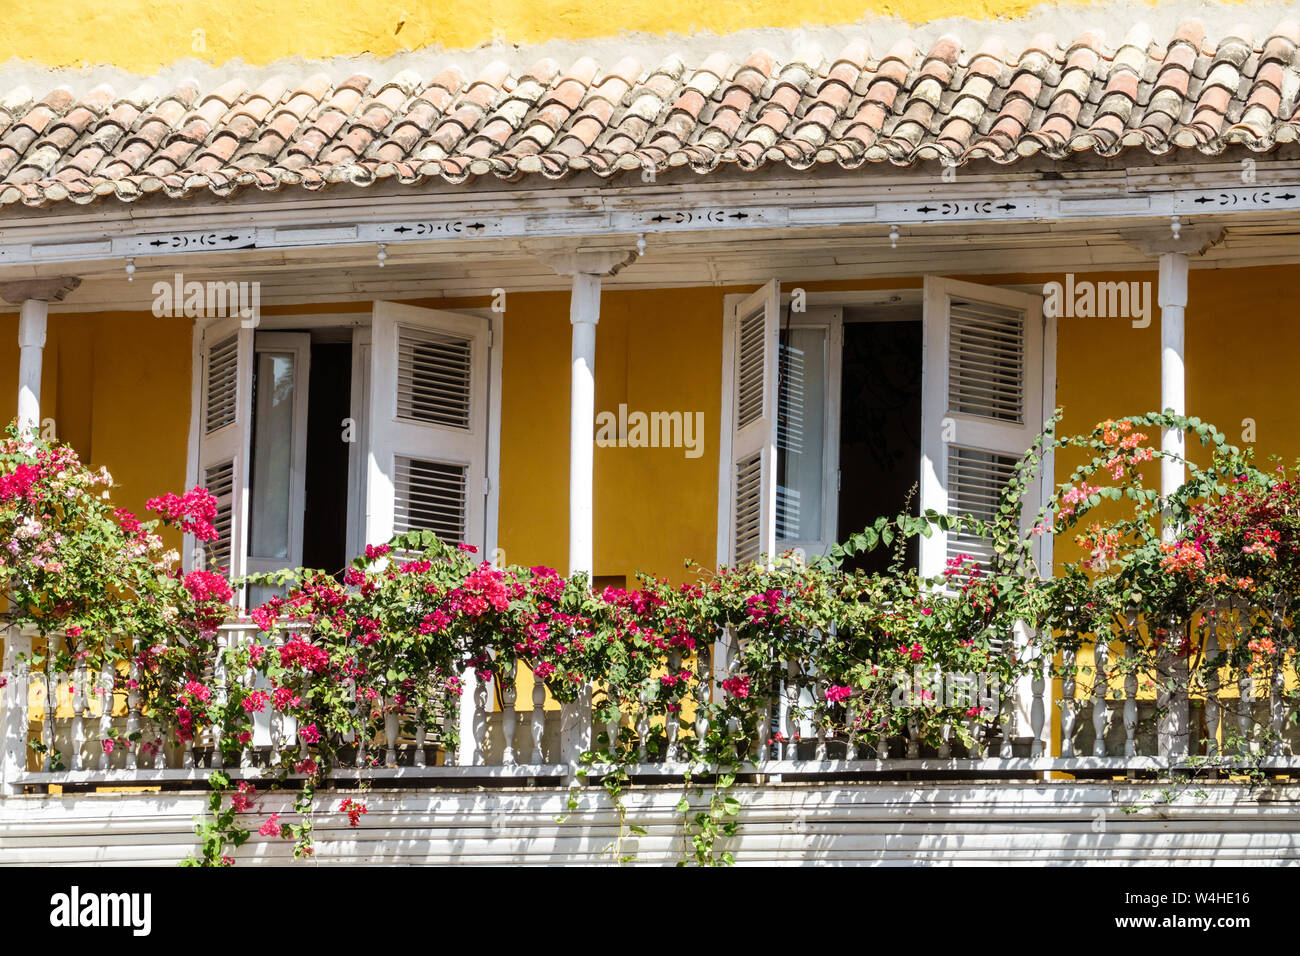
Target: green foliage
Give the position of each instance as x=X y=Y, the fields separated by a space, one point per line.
x=860 y=658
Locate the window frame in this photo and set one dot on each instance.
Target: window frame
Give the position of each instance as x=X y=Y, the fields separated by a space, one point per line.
x=866 y=298
x=831 y=319
x=358 y=451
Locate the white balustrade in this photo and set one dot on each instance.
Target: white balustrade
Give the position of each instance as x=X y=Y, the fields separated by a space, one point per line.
x=76 y=717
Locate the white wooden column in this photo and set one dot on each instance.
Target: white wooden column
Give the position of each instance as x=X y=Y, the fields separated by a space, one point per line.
x=1173 y=386
x=1172 y=700
x=586 y=267
x=584 y=314
x=33 y=297
x=31 y=348
x=1173 y=246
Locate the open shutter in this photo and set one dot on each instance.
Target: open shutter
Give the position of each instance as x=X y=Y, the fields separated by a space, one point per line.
x=427 y=466
x=982 y=406
x=224 y=428
x=749 y=381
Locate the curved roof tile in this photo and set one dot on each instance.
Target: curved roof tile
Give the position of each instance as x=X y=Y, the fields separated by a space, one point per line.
x=956 y=103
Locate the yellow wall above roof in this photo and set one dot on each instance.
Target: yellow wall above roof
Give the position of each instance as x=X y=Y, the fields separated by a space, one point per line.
x=143 y=35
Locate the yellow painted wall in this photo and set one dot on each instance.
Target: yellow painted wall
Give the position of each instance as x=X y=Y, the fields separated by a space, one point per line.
x=655 y=351
x=118 y=385
x=142 y=35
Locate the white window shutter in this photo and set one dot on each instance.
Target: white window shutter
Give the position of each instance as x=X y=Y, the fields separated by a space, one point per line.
x=224 y=429
x=982 y=407
x=747 y=486
x=427 y=461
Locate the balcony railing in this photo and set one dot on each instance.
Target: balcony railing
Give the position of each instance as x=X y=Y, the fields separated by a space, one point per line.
x=84 y=729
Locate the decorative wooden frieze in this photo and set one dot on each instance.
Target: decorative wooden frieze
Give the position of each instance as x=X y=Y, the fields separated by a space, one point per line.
x=173 y=242
x=1231 y=200
x=424 y=229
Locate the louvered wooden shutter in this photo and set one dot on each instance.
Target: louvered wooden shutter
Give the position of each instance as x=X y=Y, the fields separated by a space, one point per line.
x=428 y=425
x=982 y=406
x=747 y=487
x=225 y=372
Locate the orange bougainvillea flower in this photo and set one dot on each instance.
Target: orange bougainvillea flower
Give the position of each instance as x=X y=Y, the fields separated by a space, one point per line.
x=1112 y=430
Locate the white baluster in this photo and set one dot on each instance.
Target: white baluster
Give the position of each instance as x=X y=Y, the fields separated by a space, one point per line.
x=134 y=733
x=672 y=723
x=51 y=707
x=392 y=721
x=1006 y=708
x=612 y=726
x=763 y=730
x=945 y=741
x=1171 y=696
x=160 y=754
x=1100 y=711
x=790 y=750
x=913 y=739
x=1067 y=703
x=975 y=728
x=1245 y=715
x=79 y=703
x=356 y=736
x=703 y=696
x=275 y=725
x=1277 y=704
x=274 y=718
x=1212 y=711
x=1130 y=652
x=480 y=721
x=509 y=718
x=538 y=720
x=187 y=746
x=418 y=758
x=451 y=722
x=15 y=715
x=643 y=727
x=246 y=681
x=1130 y=703
x=819 y=697
x=851 y=733
x=220 y=693
x=1037 y=705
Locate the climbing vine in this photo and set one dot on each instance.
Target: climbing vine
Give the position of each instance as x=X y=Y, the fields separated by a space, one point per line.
x=712 y=677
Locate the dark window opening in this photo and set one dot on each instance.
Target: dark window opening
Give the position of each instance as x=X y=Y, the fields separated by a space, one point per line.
x=329 y=401
x=880 y=427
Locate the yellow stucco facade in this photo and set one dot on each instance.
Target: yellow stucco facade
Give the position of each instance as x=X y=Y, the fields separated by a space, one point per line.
x=118 y=386
x=139 y=35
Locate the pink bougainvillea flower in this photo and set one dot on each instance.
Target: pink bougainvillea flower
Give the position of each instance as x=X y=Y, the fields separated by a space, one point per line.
x=736 y=686
x=271 y=827
x=193 y=512
x=207 y=586
x=836 y=693
x=354 y=810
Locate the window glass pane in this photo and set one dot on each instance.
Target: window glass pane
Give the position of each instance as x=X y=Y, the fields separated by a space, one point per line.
x=273 y=442
x=801 y=434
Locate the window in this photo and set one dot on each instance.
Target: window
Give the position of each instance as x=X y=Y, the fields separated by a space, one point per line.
x=834 y=415
x=319 y=439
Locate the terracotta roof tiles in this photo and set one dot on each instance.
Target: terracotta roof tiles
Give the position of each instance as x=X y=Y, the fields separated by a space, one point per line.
x=950 y=103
